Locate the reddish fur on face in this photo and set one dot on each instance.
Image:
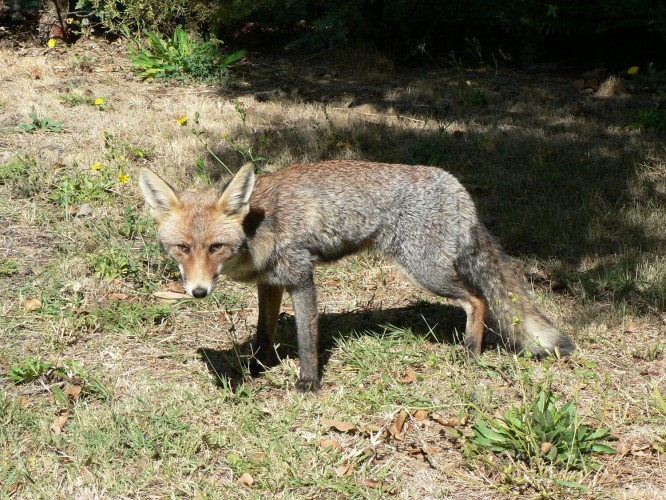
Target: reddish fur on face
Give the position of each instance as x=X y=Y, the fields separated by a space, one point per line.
x=199 y=224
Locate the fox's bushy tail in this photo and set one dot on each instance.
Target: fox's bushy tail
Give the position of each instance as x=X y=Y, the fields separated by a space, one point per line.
x=512 y=313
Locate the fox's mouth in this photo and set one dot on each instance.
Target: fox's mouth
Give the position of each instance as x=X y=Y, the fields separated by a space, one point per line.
x=198 y=290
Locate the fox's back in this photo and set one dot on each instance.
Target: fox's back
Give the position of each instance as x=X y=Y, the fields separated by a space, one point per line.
x=335 y=207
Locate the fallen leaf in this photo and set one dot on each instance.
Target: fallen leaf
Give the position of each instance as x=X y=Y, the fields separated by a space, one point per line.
x=73 y=391
x=409 y=376
x=372 y=483
x=84 y=210
x=330 y=443
x=396 y=430
x=36 y=73
x=546 y=447
x=13 y=488
x=370 y=429
x=59 y=423
x=246 y=479
x=338 y=425
x=32 y=304
x=286 y=311
x=345 y=470
x=86 y=475
x=447 y=422
x=420 y=415
x=414 y=450
x=631 y=327
x=400 y=421
x=170 y=295
x=175 y=286
x=117 y=296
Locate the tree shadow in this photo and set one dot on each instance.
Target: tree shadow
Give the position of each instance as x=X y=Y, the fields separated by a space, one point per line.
x=550 y=158
x=556 y=175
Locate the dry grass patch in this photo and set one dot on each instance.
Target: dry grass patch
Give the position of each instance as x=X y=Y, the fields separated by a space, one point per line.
x=166 y=407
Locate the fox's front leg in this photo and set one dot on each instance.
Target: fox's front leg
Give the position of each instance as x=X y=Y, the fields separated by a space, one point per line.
x=270 y=298
x=304 y=299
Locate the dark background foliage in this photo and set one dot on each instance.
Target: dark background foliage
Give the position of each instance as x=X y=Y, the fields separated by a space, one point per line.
x=611 y=33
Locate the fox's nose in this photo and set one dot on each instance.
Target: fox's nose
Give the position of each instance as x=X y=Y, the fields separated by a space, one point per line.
x=199 y=292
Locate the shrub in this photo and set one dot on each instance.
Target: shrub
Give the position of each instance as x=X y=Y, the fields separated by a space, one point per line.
x=155 y=15
x=182 y=57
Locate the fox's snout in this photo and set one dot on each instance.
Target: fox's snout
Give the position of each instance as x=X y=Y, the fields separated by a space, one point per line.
x=198 y=283
x=197 y=288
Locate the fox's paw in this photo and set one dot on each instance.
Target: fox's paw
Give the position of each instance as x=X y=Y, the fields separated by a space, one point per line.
x=565 y=345
x=473 y=345
x=256 y=367
x=308 y=385
x=262 y=361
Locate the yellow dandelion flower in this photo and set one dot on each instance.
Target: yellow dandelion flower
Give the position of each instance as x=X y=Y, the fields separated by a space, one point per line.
x=51 y=43
x=123 y=178
x=70 y=20
x=182 y=121
x=99 y=101
x=96 y=166
x=633 y=70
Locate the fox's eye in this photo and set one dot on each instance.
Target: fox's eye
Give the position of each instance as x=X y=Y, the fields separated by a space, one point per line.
x=183 y=248
x=215 y=248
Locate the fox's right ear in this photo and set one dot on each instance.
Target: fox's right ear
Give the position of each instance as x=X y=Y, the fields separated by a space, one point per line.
x=236 y=196
x=160 y=196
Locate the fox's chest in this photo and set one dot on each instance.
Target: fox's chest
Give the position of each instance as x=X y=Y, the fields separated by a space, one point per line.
x=240 y=267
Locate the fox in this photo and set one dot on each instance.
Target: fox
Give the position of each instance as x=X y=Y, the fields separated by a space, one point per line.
x=273 y=228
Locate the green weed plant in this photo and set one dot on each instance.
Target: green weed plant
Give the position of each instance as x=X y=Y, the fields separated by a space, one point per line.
x=542 y=433
x=183 y=57
x=8 y=267
x=39 y=124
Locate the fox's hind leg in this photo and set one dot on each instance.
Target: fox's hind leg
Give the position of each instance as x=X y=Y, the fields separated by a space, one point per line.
x=446 y=282
x=270 y=298
x=475 y=307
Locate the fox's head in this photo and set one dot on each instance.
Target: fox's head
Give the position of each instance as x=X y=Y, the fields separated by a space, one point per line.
x=200 y=230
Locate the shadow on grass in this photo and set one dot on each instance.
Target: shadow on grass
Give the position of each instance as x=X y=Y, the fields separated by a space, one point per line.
x=439 y=323
x=557 y=176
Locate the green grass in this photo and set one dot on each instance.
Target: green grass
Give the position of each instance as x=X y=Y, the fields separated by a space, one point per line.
x=166 y=405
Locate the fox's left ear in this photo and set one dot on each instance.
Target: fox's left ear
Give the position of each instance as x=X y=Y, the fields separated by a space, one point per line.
x=160 y=196
x=236 y=196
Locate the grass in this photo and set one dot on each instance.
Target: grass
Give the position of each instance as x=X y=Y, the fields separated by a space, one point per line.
x=166 y=408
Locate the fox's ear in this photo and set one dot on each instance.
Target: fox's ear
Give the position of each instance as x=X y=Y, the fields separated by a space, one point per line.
x=236 y=196
x=160 y=196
